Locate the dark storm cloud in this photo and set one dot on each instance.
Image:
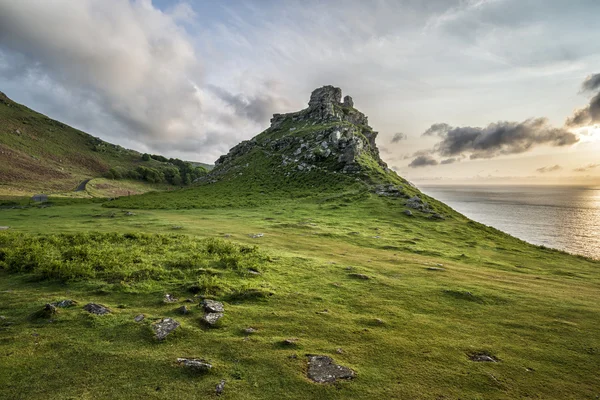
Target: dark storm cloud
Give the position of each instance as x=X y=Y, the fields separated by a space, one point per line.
x=589 y=114
x=398 y=137
x=423 y=161
x=586 y=168
x=499 y=138
x=591 y=83
x=551 y=168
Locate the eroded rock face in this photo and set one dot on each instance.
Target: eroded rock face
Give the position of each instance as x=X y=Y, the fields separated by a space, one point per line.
x=322 y=369
x=97 y=309
x=164 y=328
x=342 y=142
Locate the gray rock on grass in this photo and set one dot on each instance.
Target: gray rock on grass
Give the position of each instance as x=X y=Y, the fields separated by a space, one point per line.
x=212 y=318
x=322 y=369
x=164 y=328
x=212 y=306
x=64 y=303
x=139 y=318
x=195 y=364
x=220 y=387
x=97 y=309
x=169 y=299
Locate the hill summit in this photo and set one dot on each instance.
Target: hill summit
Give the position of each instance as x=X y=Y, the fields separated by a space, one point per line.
x=330 y=136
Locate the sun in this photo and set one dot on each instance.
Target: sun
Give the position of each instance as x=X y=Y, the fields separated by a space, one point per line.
x=589 y=133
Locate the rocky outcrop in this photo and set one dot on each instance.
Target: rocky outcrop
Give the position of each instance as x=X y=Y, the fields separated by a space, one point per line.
x=328 y=135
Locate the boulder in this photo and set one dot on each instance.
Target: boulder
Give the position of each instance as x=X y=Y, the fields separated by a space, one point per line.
x=169 y=299
x=212 y=318
x=322 y=369
x=164 y=327
x=212 y=306
x=65 y=303
x=220 y=387
x=97 y=309
x=348 y=102
x=195 y=364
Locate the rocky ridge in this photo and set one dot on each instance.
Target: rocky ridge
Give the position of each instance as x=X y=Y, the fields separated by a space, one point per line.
x=329 y=135
x=330 y=138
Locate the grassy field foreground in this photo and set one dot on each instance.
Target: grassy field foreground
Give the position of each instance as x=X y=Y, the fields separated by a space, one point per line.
x=438 y=292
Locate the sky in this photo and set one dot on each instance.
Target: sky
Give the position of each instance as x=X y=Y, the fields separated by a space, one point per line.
x=477 y=91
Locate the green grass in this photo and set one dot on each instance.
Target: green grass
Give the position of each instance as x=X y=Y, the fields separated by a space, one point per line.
x=535 y=309
x=39 y=154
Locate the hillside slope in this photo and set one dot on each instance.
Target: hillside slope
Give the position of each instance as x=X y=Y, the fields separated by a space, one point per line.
x=38 y=153
x=326 y=151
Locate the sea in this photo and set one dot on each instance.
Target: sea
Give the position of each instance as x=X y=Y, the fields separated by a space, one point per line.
x=561 y=217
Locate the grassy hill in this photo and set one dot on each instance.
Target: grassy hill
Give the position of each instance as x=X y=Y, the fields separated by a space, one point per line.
x=319 y=257
x=39 y=154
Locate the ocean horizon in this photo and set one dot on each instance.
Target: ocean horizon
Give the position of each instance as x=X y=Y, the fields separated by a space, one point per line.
x=561 y=217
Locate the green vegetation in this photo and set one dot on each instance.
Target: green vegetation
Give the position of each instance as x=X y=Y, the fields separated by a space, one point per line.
x=408 y=332
x=38 y=154
x=322 y=255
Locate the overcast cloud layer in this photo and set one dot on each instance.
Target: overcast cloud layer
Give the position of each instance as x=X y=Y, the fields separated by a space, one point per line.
x=193 y=79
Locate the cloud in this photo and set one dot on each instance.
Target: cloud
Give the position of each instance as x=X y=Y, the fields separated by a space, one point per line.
x=398 y=137
x=127 y=70
x=449 y=161
x=437 y=130
x=500 y=138
x=586 y=168
x=591 y=83
x=423 y=161
x=589 y=114
x=547 y=169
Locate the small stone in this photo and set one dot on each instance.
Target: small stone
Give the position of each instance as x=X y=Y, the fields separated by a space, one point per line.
x=339 y=350
x=97 y=309
x=379 y=321
x=139 y=318
x=195 y=364
x=253 y=272
x=359 y=276
x=50 y=309
x=169 y=299
x=322 y=369
x=164 y=327
x=250 y=331
x=183 y=310
x=482 y=357
x=212 y=306
x=189 y=300
x=290 y=342
x=408 y=213
x=256 y=235
x=220 y=387
x=65 y=303
x=212 y=318
x=3 y=228
x=129 y=214
x=435 y=269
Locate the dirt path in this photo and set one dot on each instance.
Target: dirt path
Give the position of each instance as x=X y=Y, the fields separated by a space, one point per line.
x=81 y=186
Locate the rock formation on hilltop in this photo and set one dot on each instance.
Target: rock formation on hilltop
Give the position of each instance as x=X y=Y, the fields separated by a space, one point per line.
x=329 y=135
